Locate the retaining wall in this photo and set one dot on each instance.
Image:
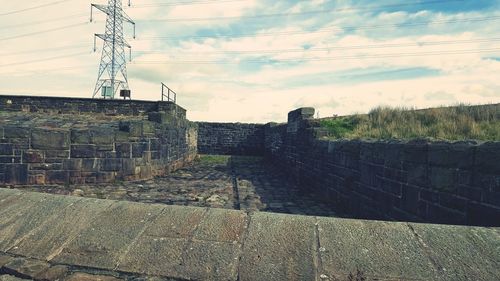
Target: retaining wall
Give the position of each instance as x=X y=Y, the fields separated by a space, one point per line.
x=52 y=148
x=230 y=138
x=83 y=105
x=454 y=183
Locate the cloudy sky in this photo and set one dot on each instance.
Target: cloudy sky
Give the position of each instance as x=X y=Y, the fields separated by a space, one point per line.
x=255 y=60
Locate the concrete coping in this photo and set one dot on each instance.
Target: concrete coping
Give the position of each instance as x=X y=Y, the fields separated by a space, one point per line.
x=189 y=243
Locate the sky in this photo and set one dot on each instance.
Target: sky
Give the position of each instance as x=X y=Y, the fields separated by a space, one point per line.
x=255 y=60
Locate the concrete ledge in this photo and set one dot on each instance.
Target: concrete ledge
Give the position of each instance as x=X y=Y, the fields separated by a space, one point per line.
x=187 y=243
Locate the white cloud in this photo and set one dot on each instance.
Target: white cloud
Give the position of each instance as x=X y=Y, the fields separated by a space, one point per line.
x=228 y=91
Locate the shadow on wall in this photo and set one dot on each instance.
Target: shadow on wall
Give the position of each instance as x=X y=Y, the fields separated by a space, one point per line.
x=421 y=181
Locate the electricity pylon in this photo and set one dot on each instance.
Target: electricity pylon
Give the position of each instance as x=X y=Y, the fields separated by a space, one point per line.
x=113 y=67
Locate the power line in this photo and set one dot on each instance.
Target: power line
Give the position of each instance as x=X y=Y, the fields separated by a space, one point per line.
x=355 y=47
x=42 y=31
x=42 y=21
x=45 y=59
x=327 y=29
x=182 y=3
x=34 y=7
x=304 y=13
x=372 y=56
x=76 y=46
x=48 y=70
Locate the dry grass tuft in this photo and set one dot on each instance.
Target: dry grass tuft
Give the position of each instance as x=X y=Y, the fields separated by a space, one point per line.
x=460 y=122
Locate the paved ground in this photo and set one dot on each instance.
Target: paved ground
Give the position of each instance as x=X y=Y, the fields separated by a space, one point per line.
x=48 y=237
x=230 y=182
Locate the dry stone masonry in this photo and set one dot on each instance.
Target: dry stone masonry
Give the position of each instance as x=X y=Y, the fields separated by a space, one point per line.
x=47 y=143
x=81 y=141
x=230 y=138
x=439 y=182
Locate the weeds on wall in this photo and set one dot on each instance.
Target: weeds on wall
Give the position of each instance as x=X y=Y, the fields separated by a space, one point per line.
x=460 y=122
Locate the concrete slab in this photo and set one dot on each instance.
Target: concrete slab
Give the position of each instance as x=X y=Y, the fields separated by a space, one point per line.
x=178 y=244
x=379 y=250
x=175 y=222
x=31 y=211
x=103 y=243
x=213 y=261
x=155 y=256
x=222 y=226
x=9 y=199
x=463 y=253
x=48 y=240
x=160 y=248
x=279 y=247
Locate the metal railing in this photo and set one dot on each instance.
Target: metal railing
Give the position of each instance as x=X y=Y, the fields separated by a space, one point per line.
x=168 y=94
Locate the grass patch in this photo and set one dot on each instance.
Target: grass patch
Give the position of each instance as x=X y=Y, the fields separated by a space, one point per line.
x=341 y=126
x=214 y=159
x=460 y=122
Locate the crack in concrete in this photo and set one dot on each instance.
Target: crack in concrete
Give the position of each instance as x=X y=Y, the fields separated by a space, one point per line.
x=136 y=238
x=242 y=244
x=50 y=219
x=190 y=238
x=426 y=249
x=317 y=261
x=74 y=234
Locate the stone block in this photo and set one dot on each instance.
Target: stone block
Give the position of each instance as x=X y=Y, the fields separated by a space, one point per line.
x=410 y=196
x=111 y=165
x=37 y=179
x=33 y=156
x=455 y=155
x=16 y=174
x=139 y=148
x=72 y=164
x=452 y=201
x=49 y=139
x=7 y=159
x=483 y=215
x=6 y=149
x=488 y=158
x=415 y=152
x=443 y=179
x=90 y=165
x=302 y=113
x=83 y=151
x=128 y=167
x=57 y=153
x=440 y=214
x=417 y=174
x=162 y=117
x=134 y=128
x=123 y=150
x=103 y=177
x=103 y=135
x=57 y=177
x=16 y=132
x=80 y=136
x=393 y=154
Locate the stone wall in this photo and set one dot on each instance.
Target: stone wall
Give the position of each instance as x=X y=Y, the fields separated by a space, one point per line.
x=52 y=148
x=230 y=138
x=454 y=183
x=60 y=105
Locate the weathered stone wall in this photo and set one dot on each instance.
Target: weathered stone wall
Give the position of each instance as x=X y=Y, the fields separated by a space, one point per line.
x=230 y=138
x=50 y=148
x=82 y=105
x=454 y=183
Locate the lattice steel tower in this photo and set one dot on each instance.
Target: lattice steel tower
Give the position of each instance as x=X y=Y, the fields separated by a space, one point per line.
x=113 y=67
